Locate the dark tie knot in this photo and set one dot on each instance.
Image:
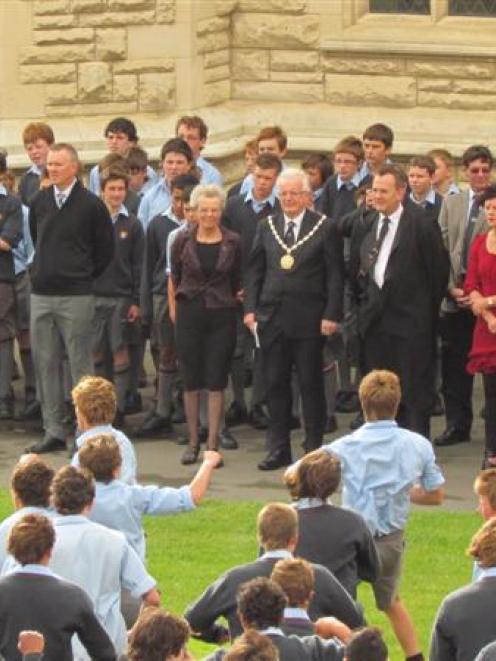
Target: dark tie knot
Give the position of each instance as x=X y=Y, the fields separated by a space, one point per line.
x=290 y=233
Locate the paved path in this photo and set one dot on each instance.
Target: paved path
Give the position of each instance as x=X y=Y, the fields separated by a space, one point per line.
x=159 y=461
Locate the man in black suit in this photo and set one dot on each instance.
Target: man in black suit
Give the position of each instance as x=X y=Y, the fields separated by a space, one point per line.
x=277 y=533
x=400 y=280
x=293 y=297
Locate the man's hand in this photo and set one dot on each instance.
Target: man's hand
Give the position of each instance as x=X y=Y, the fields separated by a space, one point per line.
x=328 y=327
x=459 y=296
x=30 y=642
x=133 y=314
x=212 y=458
x=250 y=320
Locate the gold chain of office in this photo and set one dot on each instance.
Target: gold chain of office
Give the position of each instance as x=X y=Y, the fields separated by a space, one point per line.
x=287 y=260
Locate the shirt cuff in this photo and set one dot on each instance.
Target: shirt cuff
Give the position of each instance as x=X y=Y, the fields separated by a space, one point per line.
x=147 y=584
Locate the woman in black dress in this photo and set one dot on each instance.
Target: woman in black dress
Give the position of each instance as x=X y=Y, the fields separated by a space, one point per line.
x=206 y=274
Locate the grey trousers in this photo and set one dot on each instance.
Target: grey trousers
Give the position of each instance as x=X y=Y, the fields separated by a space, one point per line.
x=60 y=325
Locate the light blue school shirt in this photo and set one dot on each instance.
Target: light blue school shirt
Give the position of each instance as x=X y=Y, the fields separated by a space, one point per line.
x=380 y=463
x=94 y=179
x=430 y=197
x=24 y=251
x=209 y=173
x=122 y=507
x=259 y=205
x=7 y=524
x=349 y=184
x=154 y=202
x=129 y=465
x=102 y=563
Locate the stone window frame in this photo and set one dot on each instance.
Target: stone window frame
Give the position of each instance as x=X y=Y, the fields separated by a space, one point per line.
x=436 y=34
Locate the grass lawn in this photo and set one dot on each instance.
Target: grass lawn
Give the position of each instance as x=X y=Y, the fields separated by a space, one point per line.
x=186 y=553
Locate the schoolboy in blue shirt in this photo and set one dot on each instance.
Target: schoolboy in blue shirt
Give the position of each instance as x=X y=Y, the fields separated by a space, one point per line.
x=122 y=506
x=193 y=130
x=384 y=469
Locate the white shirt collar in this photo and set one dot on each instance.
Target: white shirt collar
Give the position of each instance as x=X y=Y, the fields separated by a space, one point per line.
x=309 y=503
x=297 y=221
x=66 y=191
x=42 y=570
x=35 y=169
x=430 y=197
x=279 y=554
x=272 y=631
x=393 y=217
x=3 y=190
x=353 y=181
x=486 y=573
x=122 y=212
x=296 y=613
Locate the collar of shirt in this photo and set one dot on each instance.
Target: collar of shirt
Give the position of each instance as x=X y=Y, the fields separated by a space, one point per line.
x=42 y=570
x=94 y=431
x=35 y=169
x=317 y=194
x=430 y=197
x=279 y=554
x=309 y=503
x=490 y=572
x=122 y=212
x=297 y=223
x=172 y=216
x=70 y=519
x=296 y=613
x=66 y=191
x=272 y=631
x=258 y=205
x=3 y=190
x=453 y=189
x=394 y=219
x=352 y=183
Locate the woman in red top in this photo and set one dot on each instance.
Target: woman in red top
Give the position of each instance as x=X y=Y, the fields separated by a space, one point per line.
x=480 y=285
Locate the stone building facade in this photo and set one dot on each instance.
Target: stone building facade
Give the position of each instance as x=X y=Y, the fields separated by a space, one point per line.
x=320 y=68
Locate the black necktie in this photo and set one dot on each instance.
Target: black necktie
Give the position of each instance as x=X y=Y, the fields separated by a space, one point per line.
x=469 y=232
x=376 y=249
x=289 y=237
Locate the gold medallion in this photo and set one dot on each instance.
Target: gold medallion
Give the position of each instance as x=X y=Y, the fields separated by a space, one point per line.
x=287 y=262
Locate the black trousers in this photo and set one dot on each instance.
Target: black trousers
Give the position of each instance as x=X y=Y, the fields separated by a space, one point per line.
x=456 y=329
x=278 y=359
x=413 y=360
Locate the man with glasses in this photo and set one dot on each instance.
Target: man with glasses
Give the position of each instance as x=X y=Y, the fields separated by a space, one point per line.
x=461 y=219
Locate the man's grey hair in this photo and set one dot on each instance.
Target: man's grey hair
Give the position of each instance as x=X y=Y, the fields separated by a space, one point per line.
x=294 y=174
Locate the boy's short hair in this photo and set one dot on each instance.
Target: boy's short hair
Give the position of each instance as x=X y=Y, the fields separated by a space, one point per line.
x=252 y=646
x=366 y=644
x=184 y=181
x=251 y=145
x=177 y=146
x=381 y=133
x=483 y=545
x=38 y=131
x=400 y=178
x=70 y=149
x=193 y=122
x=475 y=153
x=112 y=160
x=296 y=577
x=95 y=398
x=101 y=456
x=114 y=173
x=350 y=145
x=157 y=635
x=443 y=155
x=137 y=159
x=273 y=133
x=380 y=395
x=261 y=603
x=30 y=538
x=31 y=480
x=269 y=162
x=73 y=489
x=423 y=162
x=316 y=475
x=122 y=125
x=277 y=526
x=320 y=161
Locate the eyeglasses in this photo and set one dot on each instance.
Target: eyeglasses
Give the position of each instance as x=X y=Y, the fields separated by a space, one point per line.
x=481 y=170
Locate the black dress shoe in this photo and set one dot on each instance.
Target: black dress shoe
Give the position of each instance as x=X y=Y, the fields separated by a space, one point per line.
x=275 y=460
x=451 y=436
x=47 y=444
x=190 y=455
x=155 y=425
x=331 y=424
x=227 y=440
x=236 y=415
x=258 y=419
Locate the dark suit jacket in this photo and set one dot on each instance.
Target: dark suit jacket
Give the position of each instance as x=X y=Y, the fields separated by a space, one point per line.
x=219 y=599
x=432 y=210
x=465 y=622
x=415 y=280
x=336 y=203
x=314 y=284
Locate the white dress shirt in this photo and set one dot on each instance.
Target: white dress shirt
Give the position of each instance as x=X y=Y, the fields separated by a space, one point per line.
x=387 y=244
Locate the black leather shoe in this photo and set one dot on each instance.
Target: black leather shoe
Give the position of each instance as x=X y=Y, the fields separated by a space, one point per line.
x=190 y=455
x=331 y=424
x=275 y=460
x=47 y=444
x=227 y=440
x=236 y=415
x=155 y=425
x=258 y=419
x=451 y=436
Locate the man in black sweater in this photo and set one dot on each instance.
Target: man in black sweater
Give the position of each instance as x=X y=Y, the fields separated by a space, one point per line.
x=73 y=238
x=32 y=597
